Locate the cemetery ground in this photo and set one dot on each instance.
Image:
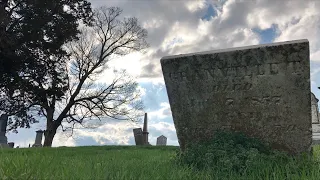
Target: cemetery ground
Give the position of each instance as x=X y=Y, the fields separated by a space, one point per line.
x=134 y=162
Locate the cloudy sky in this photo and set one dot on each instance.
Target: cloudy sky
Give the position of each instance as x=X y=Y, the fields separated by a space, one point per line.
x=185 y=26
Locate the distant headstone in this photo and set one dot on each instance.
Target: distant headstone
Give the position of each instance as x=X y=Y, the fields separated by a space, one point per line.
x=314 y=109
x=11 y=144
x=3 y=129
x=162 y=141
x=262 y=91
x=38 y=139
x=138 y=137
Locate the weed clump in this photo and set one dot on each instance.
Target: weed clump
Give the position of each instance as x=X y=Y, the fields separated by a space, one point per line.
x=232 y=152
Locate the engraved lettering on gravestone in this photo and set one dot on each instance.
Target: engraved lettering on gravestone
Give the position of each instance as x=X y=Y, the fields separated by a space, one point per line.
x=229 y=101
x=274 y=68
x=209 y=73
x=295 y=67
x=263 y=101
x=260 y=69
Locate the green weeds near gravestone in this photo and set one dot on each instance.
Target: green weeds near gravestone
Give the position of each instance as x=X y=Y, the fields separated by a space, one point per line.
x=234 y=153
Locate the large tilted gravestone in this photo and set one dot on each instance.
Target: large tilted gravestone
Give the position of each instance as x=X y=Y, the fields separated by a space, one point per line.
x=3 y=129
x=162 y=141
x=138 y=137
x=263 y=91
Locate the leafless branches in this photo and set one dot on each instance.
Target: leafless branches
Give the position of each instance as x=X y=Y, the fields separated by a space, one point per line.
x=119 y=99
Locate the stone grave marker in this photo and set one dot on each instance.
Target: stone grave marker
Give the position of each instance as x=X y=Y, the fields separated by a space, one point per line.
x=162 y=141
x=314 y=109
x=262 y=91
x=38 y=140
x=3 y=129
x=11 y=144
x=138 y=137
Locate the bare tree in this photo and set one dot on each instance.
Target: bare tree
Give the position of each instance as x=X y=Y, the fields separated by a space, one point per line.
x=85 y=99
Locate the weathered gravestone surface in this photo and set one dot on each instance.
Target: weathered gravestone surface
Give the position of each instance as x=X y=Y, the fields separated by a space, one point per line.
x=263 y=91
x=138 y=137
x=3 y=129
x=161 y=140
x=38 y=140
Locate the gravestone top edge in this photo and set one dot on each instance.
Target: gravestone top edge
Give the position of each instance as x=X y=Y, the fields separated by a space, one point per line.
x=234 y=49
x=162 y=136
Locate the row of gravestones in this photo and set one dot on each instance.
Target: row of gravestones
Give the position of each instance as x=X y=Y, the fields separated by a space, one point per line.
x=139 y=139
x=141 y=136
x=4 y=140
x=138 y=134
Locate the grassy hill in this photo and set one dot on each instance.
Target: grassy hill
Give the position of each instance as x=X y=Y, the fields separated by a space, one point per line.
x=125 y=162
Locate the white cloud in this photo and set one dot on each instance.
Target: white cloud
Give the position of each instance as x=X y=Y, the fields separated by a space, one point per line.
x=130 y=62
x=195 y=5
x=141 y=90
x=315 y=56
x=109 y=133
x=62 y=139
x=153 y=23
x=161 y=113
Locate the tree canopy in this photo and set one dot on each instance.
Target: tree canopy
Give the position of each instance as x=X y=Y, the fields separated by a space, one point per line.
x=31 y=32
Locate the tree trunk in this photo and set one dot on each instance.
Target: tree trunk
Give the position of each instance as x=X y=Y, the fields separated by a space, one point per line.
x=48 y=137
x=51 y=130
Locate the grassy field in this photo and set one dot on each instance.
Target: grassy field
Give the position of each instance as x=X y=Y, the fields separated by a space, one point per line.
x=129 y=162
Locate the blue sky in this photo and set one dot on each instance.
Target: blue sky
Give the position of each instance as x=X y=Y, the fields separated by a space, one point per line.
x=182 y=26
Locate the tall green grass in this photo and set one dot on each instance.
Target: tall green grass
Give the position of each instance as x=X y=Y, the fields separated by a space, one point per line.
x=233 y=155
x=131 y=162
